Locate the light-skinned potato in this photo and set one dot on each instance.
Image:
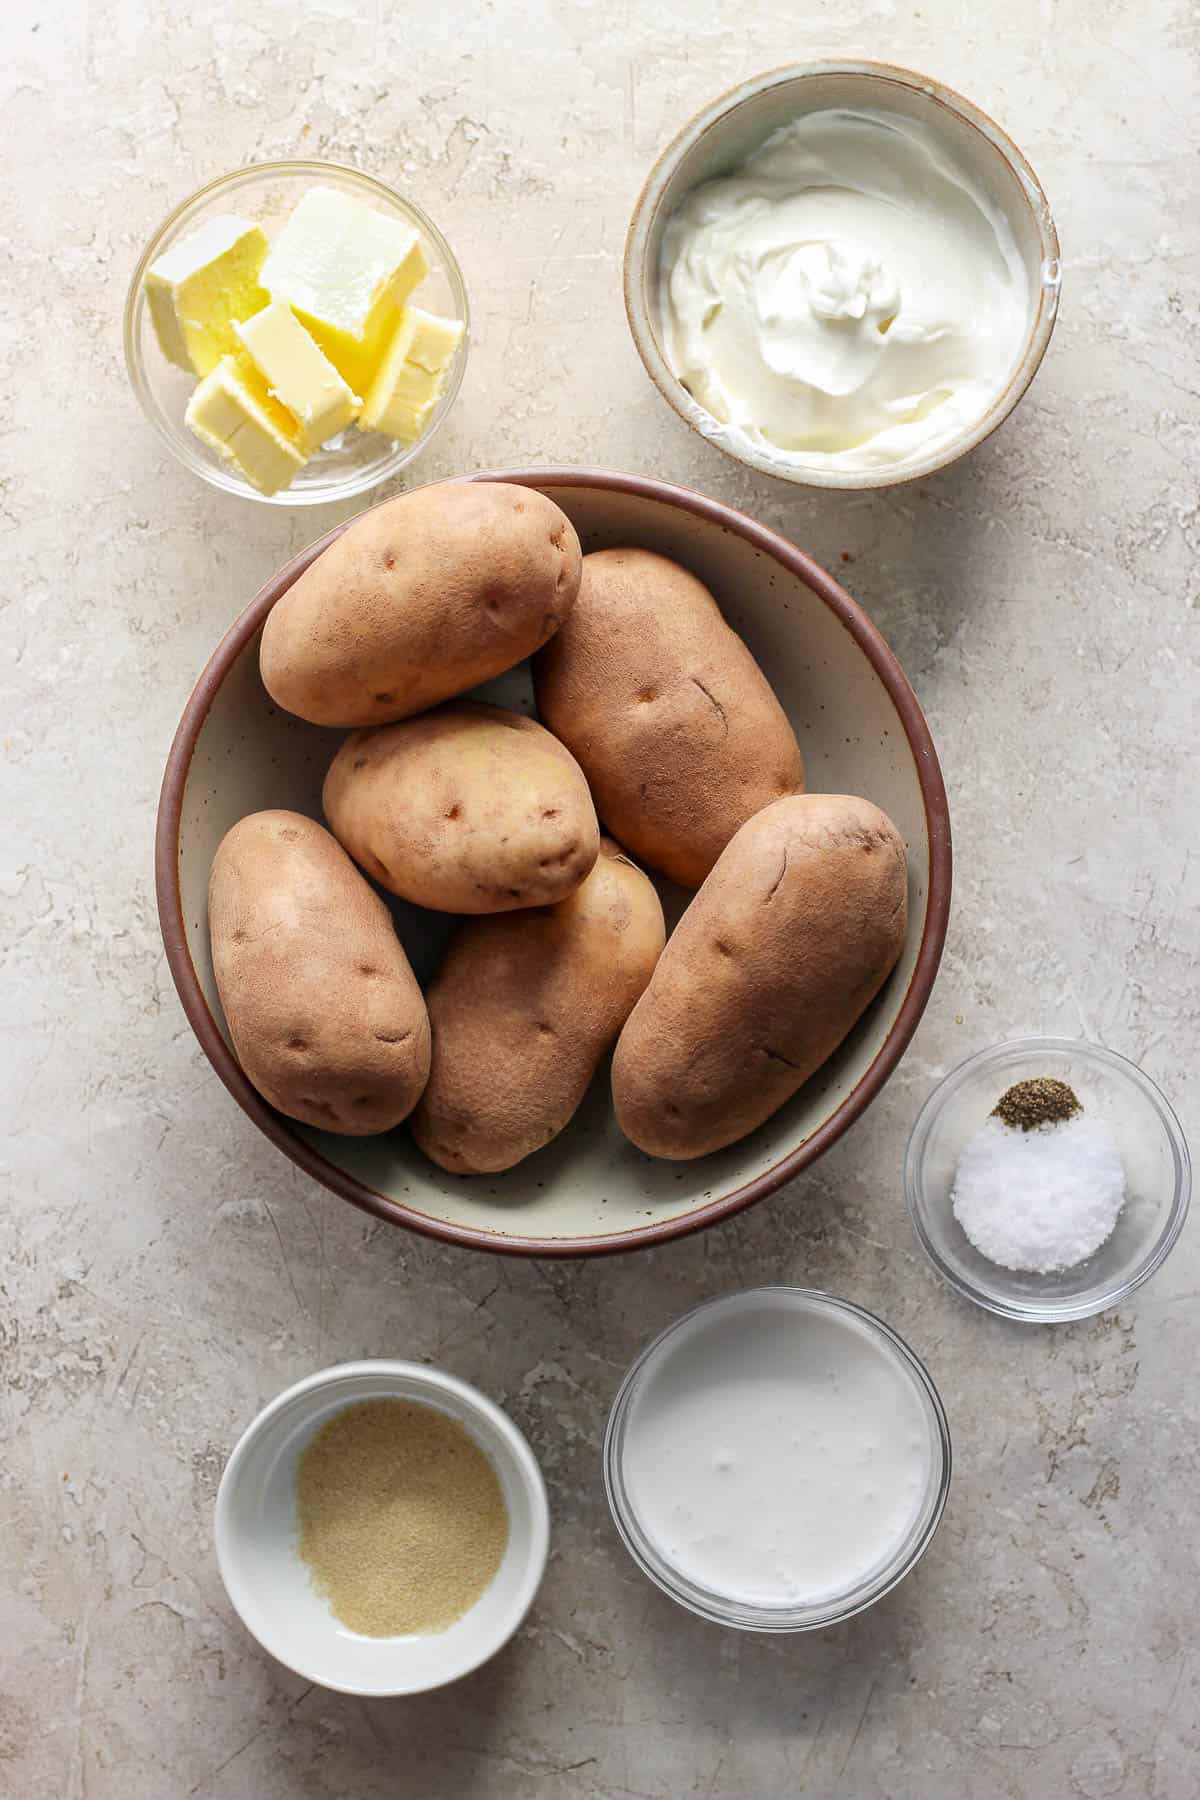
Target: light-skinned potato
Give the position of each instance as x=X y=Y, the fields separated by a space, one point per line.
x=421 y=599
x=326 y=1016
x=777 y=957
x=523 y=1008
x=466 y=809
x=668 y=714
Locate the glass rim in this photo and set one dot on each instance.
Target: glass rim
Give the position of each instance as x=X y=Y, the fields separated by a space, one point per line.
x=178 y=440
x=1048 y=1312
x=718 y=1608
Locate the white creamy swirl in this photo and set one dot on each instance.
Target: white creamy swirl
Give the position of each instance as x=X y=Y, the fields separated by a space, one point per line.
x=847 y=298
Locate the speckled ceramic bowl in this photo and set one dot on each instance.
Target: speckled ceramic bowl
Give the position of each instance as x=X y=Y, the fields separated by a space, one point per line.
x=589 y=1191
x=724 y=133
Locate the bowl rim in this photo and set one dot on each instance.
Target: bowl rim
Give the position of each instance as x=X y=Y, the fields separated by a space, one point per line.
x=381 y=1206
x=435 y=1381
x=1034 y=1312
x=213 y=474
x=636 y=276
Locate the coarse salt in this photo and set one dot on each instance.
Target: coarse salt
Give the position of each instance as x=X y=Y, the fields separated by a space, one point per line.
x=1039 y=1200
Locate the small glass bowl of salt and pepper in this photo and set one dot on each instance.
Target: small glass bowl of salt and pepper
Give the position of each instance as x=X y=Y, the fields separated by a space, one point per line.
x=1047 y=1179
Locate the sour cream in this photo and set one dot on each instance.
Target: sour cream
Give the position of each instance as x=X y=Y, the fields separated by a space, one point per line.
x=778 y=1451
x=847 y=299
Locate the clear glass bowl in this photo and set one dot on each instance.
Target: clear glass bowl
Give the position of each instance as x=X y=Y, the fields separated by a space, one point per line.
x=266 y=193
x=1151 y=1144
x=720 y=1608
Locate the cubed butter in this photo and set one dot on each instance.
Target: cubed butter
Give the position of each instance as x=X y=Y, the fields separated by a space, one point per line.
x=411 y=374
x=199 y=288
x=298 y=373
x=235 y=414
x=346 y=270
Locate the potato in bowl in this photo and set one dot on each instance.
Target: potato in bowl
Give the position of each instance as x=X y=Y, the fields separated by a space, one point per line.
x=590 y=1191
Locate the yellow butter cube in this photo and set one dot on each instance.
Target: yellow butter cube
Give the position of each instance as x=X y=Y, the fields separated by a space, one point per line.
x=346 y=270
x=433 y=340
x=411 y=374
x=298 y=374
x=199 y=288
x=235 y=414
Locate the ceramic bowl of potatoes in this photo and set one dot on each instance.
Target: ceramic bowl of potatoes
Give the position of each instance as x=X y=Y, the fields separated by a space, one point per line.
x=553 y=862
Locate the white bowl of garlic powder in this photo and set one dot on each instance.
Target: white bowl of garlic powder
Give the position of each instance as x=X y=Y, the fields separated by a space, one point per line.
x=843 y=274
x=382 y=1528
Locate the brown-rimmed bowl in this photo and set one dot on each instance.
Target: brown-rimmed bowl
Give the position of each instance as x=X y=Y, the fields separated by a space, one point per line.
x=729 y=128
x=590 y=1191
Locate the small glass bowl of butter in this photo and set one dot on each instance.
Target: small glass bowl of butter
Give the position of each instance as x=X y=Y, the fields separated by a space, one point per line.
x=296 y=332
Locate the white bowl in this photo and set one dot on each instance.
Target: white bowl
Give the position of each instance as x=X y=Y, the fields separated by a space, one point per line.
x=271 y=1588
x=724 y=133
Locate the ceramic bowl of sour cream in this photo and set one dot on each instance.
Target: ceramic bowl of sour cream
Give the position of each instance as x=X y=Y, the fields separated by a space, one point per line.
x=842 y=274
x=777 y=1460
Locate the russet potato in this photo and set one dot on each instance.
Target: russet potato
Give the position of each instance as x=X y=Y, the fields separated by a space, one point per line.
x=467 y=809
x=522 y=1009
x=668 y=714
x=778 y=955
x=326 y=1016
x=420 y=599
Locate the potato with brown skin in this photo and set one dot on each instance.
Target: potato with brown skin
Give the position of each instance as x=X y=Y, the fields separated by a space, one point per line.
x=777 y=957
x=325 y=1014
x=668 y=714
x=467 y=809
x=420 y=599
x=523 y=1008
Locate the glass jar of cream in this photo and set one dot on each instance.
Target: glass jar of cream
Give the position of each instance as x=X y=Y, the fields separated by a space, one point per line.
x=777 y=1460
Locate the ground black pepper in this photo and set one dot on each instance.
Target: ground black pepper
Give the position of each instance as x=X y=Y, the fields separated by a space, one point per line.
x=1039 y=1101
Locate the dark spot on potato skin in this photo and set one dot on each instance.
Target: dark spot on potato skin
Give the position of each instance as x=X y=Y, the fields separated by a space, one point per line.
x=360 y=762
x=297 y=1043
x=389 y=561
x=550 y=812
x=367 y=968
x=722 y=949
x=384 y=699
x=647 y=695
x=392 y=1037
x=289 y=834
x=455 y=812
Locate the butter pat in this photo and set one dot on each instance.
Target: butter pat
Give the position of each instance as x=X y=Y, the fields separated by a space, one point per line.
x=411 y=374
x=234 y=413
x=298 y=374
x=346 y=270
x=198 y=289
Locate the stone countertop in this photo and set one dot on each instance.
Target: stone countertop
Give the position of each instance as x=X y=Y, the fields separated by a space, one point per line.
x=165 y=1270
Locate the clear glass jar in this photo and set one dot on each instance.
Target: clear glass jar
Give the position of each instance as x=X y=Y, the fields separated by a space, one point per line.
x=1148 y=1137
x=265 y=193
x=829 y=1609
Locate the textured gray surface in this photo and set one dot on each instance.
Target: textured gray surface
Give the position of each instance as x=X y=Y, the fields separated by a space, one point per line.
x=165 y=1271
